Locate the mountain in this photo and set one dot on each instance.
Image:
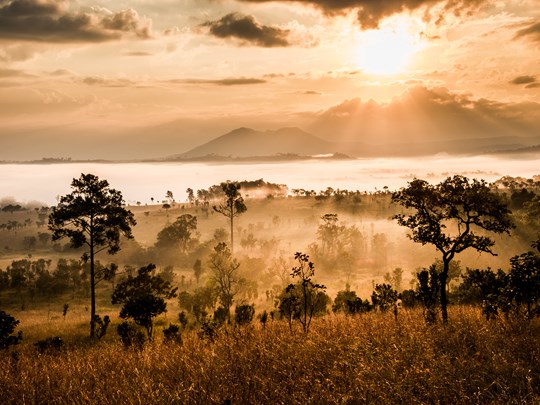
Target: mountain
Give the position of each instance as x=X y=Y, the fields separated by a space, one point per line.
x=247 y=142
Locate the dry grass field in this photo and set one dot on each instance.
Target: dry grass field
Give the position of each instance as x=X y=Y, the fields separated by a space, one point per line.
x=344 y=360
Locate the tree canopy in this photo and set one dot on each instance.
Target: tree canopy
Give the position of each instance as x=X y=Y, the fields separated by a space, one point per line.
x=92 y=215
x=143 y=297
x=453 y=216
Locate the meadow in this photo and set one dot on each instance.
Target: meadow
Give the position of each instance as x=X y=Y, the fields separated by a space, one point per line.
x=345 y=358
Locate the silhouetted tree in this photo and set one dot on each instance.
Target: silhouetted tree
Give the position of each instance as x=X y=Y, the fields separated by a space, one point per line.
x=179 y=233
x=428 y=292
x=384 y=297
x=143 y=297
x=525 y=283
x=92 y=215
x=233 y=205
x=190 y=195
x=348 y=302
x=303 y=299
x=449 y=216
x=224 y=275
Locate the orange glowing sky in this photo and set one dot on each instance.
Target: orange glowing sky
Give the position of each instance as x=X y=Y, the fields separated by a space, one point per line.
x=173 y=74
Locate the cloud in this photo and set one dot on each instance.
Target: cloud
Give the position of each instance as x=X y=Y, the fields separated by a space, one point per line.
x=523 y=80
x=12 y=73
x=51 y=21
x=532 y=32
x=248 y=31
x=138 y=53
x=371 y=12
x=101 y=81
x=427 y=114
x=233 y=81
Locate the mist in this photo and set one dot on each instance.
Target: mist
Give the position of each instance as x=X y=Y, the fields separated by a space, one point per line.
x=140 y=182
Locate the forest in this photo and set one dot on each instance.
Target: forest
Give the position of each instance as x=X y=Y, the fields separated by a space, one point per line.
x=249 y=292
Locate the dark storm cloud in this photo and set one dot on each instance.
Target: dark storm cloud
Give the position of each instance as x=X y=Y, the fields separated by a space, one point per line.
x=248 y=30
x=531 y=32
x=51 y=21
x=523 y=80
x=371 y=12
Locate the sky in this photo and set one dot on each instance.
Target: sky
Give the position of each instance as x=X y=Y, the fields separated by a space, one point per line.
x=141 y=78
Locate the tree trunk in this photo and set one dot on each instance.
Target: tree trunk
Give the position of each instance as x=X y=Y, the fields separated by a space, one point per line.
x=92 y=287
x=232 y=237
x=443 y=278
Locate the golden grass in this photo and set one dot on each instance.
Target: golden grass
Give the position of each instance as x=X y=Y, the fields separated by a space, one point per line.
x=345 y=360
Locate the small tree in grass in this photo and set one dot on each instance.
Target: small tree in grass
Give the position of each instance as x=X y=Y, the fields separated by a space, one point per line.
x=143 y=297
x=524 y=283
x=243 y=314
x=303 y=299
x=427 y=292
x=384 y=297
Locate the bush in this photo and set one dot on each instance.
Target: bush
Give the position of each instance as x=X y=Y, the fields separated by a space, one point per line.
x=50 y=345
x=209 y=330
x=7 y=328
x=244 y=314
x=221 y=315
x=101 y=325
x=131 y=335
x=172 y=334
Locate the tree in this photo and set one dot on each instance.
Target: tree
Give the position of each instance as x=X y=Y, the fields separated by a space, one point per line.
x=143 y=297
x=449 y=216
x=224 y=276
x=233 y=205
x=303 y=299
x=179 y=233
x=428 y=291
x=190 y=195
x=169 y=196
x=197 y=270
x=524 y=283
x=92 y=215
x=384 y=297
x=349 y=303
x=328 y=233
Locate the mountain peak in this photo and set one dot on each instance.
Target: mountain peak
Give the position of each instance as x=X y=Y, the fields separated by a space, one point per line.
x=247 y=142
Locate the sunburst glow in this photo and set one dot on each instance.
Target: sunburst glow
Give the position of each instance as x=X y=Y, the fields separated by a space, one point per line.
x=387 y=50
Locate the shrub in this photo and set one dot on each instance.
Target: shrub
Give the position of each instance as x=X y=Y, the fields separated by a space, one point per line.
x=172 y=334
x=7 y=328
x=50 y=345
x=131 y=335
x=243 y=314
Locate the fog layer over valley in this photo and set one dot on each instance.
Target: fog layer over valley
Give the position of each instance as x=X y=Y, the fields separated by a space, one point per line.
x=143 y=181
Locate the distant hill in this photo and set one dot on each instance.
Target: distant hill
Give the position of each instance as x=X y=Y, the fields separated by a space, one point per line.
x=293 y=143
x=247 y=142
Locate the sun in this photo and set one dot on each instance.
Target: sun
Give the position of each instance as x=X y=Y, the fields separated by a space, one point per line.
x=389 y=49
